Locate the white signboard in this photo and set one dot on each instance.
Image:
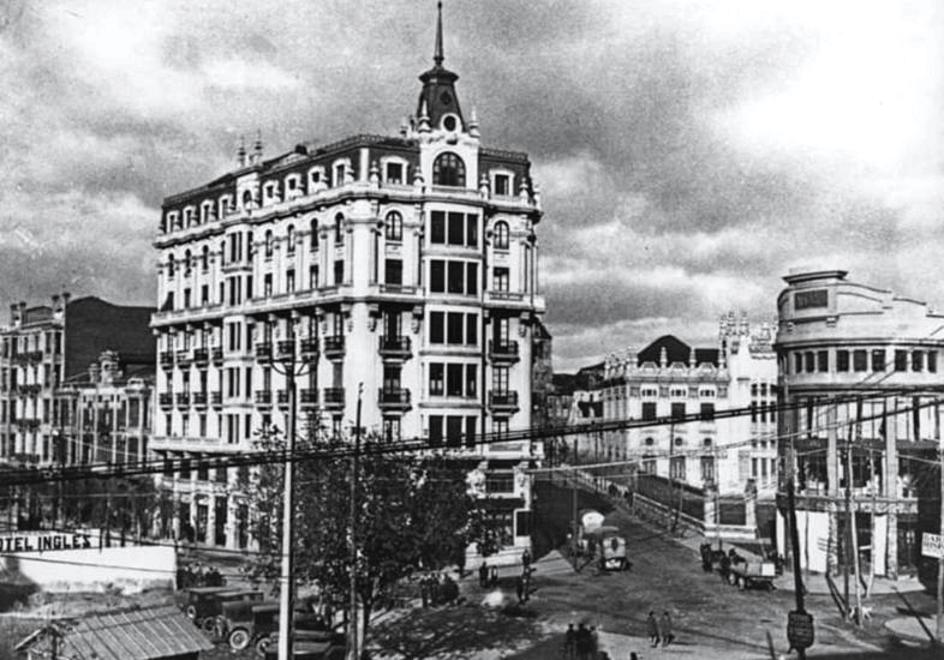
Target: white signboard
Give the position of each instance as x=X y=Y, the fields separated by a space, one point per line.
x=932 y=545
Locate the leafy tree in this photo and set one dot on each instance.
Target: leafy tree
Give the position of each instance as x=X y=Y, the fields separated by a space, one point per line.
x=414 y=513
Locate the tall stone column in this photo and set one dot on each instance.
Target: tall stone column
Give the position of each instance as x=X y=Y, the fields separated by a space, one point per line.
x=890 y=487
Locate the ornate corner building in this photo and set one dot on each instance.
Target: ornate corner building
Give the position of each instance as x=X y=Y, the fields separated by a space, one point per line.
x=402 y=269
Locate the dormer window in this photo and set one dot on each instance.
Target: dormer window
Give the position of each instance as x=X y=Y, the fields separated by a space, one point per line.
x=188 y=216
x=502 y=184
x=205 y=210
x=340 y=174
x=270 y=192
x=315 y=176
x=449 y=170
x=247 y=199
x=394 y=173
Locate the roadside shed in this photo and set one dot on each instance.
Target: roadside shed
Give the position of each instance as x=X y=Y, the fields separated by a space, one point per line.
x=150 y=633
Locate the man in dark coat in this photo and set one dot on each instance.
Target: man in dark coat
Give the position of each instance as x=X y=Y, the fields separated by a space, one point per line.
x=653 y=628
x=665 y=627
x=483 y=575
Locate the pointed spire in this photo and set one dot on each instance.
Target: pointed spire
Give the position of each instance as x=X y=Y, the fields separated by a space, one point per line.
x=241 y=152
x=438 y=54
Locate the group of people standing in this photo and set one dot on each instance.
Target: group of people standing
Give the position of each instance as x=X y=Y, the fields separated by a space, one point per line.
x=581 y=643
x=660 y=631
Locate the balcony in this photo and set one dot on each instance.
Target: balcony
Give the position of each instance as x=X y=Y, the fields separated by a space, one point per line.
x=393 y=399
x=216 y=355
x=283 y=399
x=308 y=399
x=183 y=399
x=264 y=352
x=502 y=350
x=166 y=358
x=395 y=348
x=200 y=399
x=334 y=347
x=216 y=399
x=184 y=357
x=309 y=348
x=32 y=388
x=285 y=350
x=503 y=402
x=33 y=356
x=263 y=397
x=201 y=357
x=28 y=422
x=166 y=399
x=334 y=398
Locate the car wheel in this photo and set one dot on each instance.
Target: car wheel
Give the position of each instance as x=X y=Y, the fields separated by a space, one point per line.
x=209 y=625
x=742 y=583
x=263 y=644
x=239 y=639
x=191 y=612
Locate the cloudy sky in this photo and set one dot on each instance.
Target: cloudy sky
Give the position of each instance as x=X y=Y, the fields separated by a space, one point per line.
x=690 y=153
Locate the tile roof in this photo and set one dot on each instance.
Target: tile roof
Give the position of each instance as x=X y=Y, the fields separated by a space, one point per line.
x=138 y=634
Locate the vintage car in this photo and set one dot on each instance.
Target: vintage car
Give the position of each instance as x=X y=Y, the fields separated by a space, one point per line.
x=200 y=602
x=247 y=623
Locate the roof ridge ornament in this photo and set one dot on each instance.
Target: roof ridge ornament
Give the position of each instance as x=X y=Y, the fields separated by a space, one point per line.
x=438 y=56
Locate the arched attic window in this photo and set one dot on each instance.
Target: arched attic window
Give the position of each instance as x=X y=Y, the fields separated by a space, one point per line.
x=449 y=170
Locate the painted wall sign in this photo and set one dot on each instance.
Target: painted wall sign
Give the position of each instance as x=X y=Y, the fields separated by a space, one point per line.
x=44 y=542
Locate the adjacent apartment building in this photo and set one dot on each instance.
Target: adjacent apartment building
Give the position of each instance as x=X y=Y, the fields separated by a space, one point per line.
x=44 y=351
x=401 y=269
x=668 y=381
x=860 y=381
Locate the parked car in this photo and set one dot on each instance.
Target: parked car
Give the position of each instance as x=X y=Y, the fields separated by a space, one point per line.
x=213 y=623
x=247 y=623
x=198 y=603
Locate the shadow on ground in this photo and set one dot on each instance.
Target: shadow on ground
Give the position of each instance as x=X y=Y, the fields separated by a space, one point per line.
x=460 y=631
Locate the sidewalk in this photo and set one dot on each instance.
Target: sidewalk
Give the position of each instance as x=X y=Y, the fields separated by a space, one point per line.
x=815 y=583
x=913 y=629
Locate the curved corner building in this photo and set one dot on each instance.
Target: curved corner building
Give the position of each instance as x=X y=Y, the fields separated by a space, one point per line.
x=860 y=372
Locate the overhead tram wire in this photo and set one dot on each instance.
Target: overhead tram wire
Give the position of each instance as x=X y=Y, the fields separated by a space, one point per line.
x=252 y=458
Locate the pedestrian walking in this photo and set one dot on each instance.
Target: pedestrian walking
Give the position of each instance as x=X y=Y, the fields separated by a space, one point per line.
x=653 y=627
x=526 y=559
x=570 y=642
x=483 y=575
x=665 y=627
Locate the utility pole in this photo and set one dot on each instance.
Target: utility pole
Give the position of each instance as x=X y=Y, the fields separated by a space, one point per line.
x=286 y=595
x=853 y=541
x=940 y=561
x=352 y=620
x=795 y=541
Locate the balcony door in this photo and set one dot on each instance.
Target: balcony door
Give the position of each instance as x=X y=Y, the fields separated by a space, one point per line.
x=500 y=330
x=391 y=380
x=392 y=324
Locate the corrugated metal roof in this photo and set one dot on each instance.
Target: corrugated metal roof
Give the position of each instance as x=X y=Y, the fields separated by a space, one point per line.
x=139 y=634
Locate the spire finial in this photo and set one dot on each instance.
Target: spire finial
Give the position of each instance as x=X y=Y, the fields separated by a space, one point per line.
x=438 y=54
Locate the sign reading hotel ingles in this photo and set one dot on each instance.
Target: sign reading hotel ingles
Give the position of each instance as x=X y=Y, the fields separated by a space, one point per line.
x=44 y=542
x=810 y=299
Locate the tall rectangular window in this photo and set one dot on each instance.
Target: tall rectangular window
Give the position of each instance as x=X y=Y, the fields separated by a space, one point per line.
x=878 y=360
x=502 y=185
x=454 y=327
x=917 y=361
x=435 y=430
x=471 y=329
x=860 y=360
x=290 y=280
x=500 y=278
x=339 y=272
x=454 y=380
x=678 y=411
x=456 y=280
x=472 y=278
x=901 y=360
x=393 y=271
x=471 y=380
x=437 y=276
x=437 y=227
x=472 y=231
x=798 y=363
x=932 y=362
x=454 y=431
x=648 y=410
x=437 y=327
x=822 y=361
x=842 y=360
x=470 y=424
x=456 y=231
x=436 y=377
